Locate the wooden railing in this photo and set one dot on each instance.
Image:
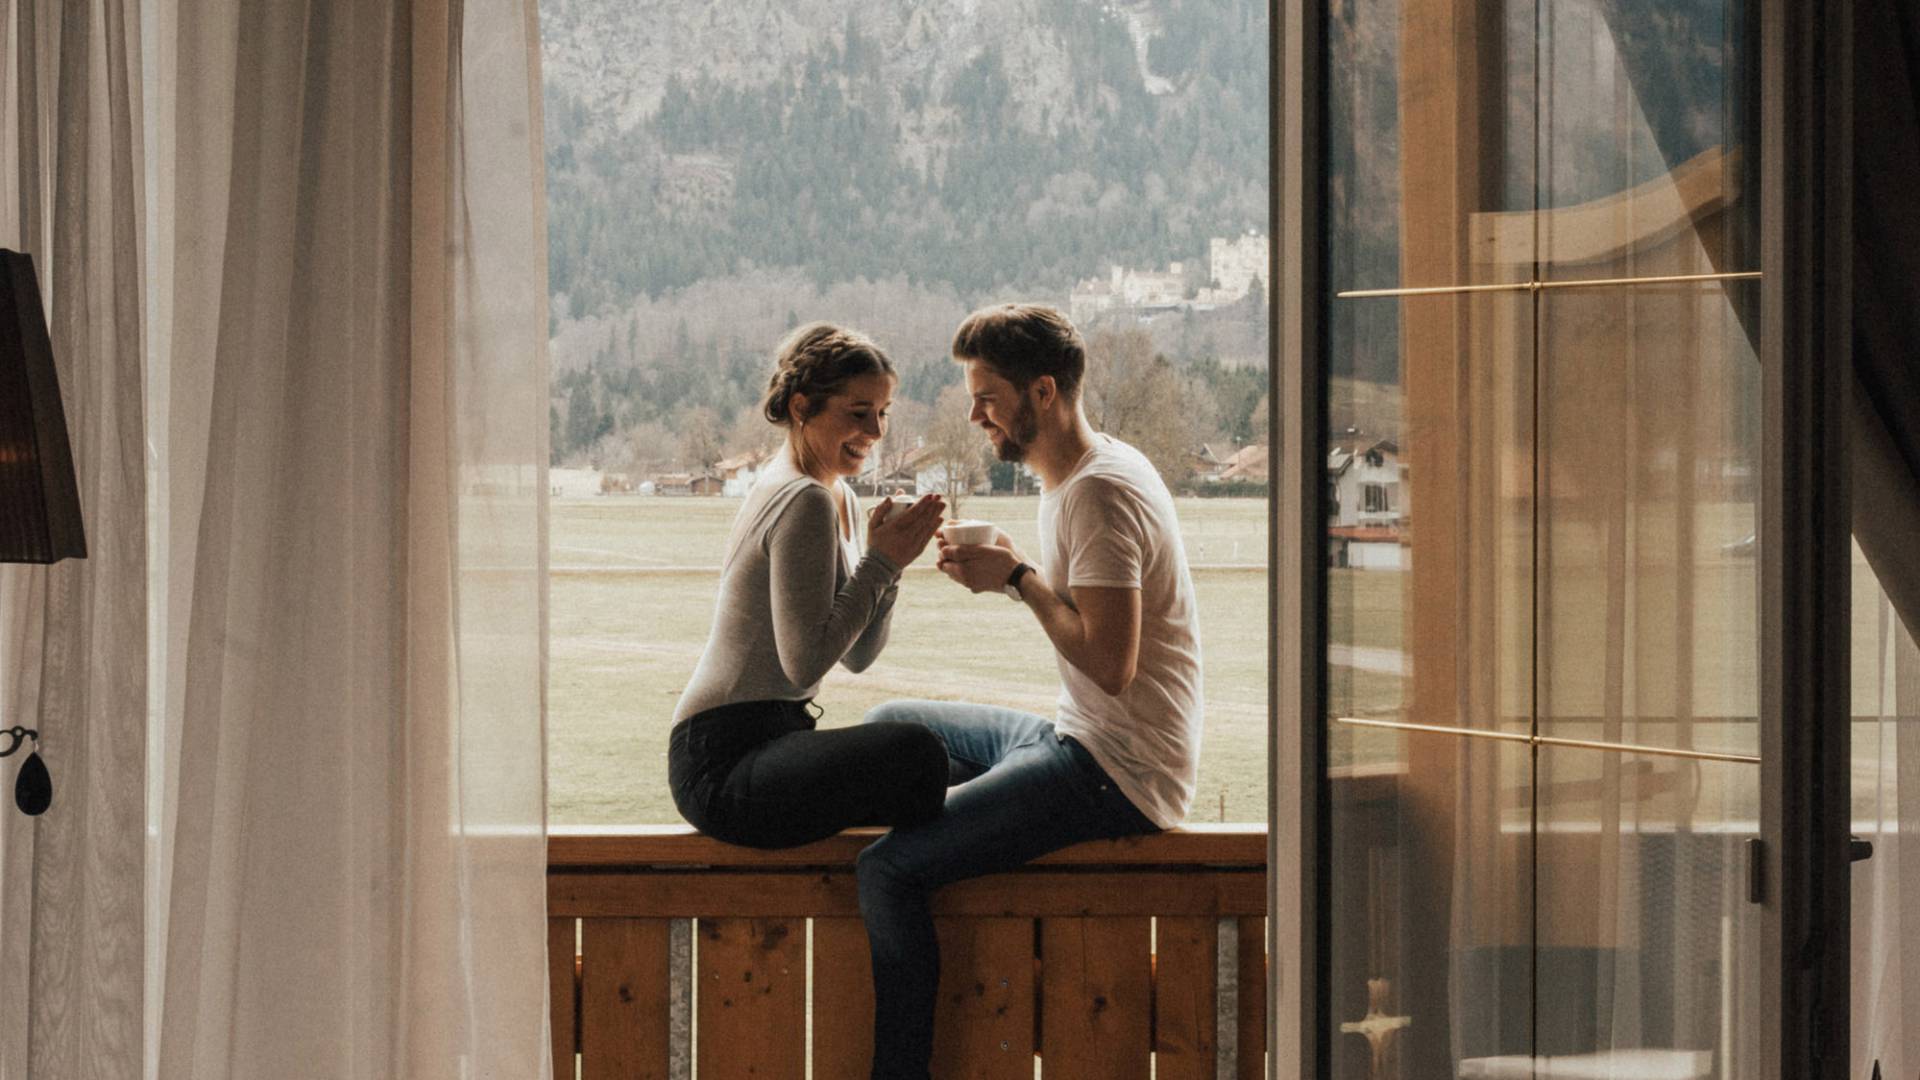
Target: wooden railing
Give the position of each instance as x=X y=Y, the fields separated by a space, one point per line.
x=1097 y=960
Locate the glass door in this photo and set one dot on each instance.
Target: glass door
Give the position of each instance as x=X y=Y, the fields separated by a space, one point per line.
x=1543 y=476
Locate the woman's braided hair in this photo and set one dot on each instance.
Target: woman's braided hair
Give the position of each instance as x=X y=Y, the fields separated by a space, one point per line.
x=816 y=361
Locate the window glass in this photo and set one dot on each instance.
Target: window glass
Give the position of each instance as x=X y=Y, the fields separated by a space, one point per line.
x=1543 y=664
x=717 y=174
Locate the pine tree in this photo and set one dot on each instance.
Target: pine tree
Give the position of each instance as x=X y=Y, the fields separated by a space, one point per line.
x=581 y=420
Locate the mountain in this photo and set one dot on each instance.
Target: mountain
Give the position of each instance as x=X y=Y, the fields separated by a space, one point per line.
x=616 y=58
x=978 y=147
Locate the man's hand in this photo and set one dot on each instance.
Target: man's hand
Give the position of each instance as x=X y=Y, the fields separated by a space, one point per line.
x=1097 y=629
x=980 y=567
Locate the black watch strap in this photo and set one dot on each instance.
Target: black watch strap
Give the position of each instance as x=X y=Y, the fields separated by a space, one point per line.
x=1013 y=580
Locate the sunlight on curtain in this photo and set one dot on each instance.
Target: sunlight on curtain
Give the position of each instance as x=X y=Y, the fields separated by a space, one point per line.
x=349 y=797
x=1886 y=812
x=73 y=647
x=1883 y=442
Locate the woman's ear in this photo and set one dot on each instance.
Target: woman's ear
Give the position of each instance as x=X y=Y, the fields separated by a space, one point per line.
x=798 y=408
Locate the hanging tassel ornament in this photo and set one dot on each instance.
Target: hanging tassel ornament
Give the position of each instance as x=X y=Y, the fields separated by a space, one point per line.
x=33 y=788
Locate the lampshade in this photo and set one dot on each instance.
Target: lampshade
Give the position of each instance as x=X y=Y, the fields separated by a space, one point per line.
x=39 y=500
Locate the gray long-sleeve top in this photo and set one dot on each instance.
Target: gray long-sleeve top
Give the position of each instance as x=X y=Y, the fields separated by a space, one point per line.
x=794 y=597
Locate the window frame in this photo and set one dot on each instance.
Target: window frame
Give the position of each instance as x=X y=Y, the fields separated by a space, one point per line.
x=1806 y=58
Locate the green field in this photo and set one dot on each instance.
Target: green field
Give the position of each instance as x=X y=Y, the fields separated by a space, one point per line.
x=632 y=596
x=633 y=588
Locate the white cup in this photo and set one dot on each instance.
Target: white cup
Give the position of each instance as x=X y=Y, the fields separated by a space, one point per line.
x=961 y=533
x=893 y=504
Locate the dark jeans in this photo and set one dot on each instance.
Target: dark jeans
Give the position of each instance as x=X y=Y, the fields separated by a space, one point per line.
x=758 y=774
x=1022 y=790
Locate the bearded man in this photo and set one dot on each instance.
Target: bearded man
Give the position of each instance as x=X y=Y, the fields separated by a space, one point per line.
x=1112 y=590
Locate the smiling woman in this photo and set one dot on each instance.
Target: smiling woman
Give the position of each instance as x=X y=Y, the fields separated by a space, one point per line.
x=889 y=165
x=797 y=596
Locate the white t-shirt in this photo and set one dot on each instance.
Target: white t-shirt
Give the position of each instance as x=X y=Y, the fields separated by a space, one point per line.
x=1111 y=523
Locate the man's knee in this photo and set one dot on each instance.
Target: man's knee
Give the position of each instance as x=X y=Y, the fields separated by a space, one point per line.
x=875 y=873
x=892 y=712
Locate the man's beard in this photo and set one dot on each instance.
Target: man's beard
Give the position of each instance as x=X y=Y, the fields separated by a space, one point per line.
x=1026 y=427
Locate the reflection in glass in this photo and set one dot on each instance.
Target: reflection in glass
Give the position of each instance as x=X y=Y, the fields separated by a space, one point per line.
x=1396 y=843
x=1646 y=114
x=1648 y=584
x=1540 y=520
x=1644 y=928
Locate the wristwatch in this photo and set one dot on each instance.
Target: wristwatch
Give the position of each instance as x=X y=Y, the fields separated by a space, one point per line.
x=1013 y=580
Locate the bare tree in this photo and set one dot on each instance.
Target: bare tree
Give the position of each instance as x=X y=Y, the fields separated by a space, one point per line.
x=649 y=447
x=750 y=432
x=955 y=447
x=702 y=438
x=1133 y=394
x=907 y=422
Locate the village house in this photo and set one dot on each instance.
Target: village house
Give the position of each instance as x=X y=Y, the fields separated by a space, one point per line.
x=1366 y=486
x=1207 y=464
x=920 y=473
x=673 y=484
x=1247 y=465
x=737 y=474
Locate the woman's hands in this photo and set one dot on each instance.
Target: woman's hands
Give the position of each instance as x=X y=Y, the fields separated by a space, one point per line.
x=902 y=534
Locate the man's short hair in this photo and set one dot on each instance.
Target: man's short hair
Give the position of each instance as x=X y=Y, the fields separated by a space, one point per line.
x=1021 y=342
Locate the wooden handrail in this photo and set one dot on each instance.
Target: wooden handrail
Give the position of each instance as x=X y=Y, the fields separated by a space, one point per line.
x=680 y=845
x=1099 y=957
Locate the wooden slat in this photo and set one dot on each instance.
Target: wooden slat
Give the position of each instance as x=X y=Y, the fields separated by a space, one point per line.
x=563 y=989
x=823 y=895
x=679 y=845
x=1252 y=1054
x=752 y=1002
x=1185 y=981
x=842 y=999
x=623 y=999
x=1095 y=997
x=983 y=1029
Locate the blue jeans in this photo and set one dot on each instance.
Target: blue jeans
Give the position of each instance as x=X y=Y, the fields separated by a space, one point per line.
x=1020 y=791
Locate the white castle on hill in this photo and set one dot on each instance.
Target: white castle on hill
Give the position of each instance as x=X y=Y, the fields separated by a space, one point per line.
x=1233 y=267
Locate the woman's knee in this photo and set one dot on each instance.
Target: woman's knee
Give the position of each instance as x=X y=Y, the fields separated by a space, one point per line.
x=920 y=756
x=923 y=751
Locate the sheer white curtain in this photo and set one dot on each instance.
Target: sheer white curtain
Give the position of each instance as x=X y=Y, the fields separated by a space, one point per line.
x=350 y=879
x=1886 y=812
x=320 y=225
x=73 y=646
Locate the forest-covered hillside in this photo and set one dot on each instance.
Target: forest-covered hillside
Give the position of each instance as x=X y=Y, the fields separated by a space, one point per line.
x=1021 y=149
x=717 y=172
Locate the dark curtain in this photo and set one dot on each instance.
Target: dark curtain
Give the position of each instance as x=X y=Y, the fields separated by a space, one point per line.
x=1885 y=430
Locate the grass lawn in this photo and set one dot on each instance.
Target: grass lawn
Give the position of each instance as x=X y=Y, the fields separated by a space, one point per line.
x=632 y=599
x=633 y=589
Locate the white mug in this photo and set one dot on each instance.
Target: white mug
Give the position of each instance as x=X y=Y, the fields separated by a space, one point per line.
x=960 y=533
